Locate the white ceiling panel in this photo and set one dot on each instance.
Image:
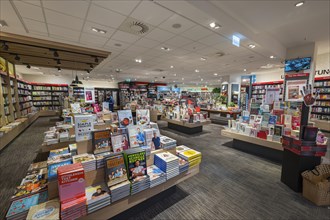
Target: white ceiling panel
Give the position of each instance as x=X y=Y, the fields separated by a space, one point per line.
x=105 y=17
x=148 y=43
x=62 y=20
x=37 y=26
x=8 y=14
x=69 y=7
x=65 y=32
x=212 y=40
x=178 y=41
x=122 y=7
x=93 y=38
x=176 y=19
x=125 y=37
x=159 y=35
x=196 y=33
x=33 y=2
x=119 y=45
x=29 y=11
x=195 y=46
x=151 y=13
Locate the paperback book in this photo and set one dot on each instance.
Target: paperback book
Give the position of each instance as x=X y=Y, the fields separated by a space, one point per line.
x=142 y=116
x=115 y=170
x=119 y=142
x=49 y=210
x=101 y=140
x=125 y=118
x=136 y=136
x=135 y=160
x=83 y=127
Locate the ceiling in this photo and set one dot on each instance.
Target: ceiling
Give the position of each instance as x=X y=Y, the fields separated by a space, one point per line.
x=272 y=26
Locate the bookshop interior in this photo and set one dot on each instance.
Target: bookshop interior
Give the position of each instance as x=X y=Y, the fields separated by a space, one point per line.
x=157 y=109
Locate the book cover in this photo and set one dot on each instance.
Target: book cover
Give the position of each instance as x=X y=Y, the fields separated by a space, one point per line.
x=181 y=148
x=83 y=127
x=56 y=152
x=252 y=119
x=149 y=134
x=142 y=116
x=37 y=166
x=105 y=106
x=136 y=163
x=75 y=108
x=119 y=142
x=101 y=140
x=272 y=119
x=154 y=172
x=136 y=136
x=287 y=119
x=168 y=157
x=114 y=117
x=47 y=210
x=99 y=117
x=96 y=192
x=52 y=168
x=278 y=130
x=115 y=170
x=83 y=158
x=68 y=120
x=125 y=118
x=190 y=154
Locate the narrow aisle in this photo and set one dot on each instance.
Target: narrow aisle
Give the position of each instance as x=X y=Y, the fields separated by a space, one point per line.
x=17 y=156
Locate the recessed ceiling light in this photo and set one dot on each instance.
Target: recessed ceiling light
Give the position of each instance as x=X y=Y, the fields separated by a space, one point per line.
x=95 y=30
x=272 y=57
x=28 y=66
x=98 y=30
x=202 y=79
x=298 y=4
x=182 y=78
x=138 y=60
x=244 y=70
x=196 y=71
x=171 y=67
x=59 y=69
x=174 y=74
x=251 y=46
x=215 y=74
x=214 y=25
x=174 y=81
x=203 y=58
x=165 y=48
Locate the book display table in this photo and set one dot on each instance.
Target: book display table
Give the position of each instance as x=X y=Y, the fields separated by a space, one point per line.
x=261 y=147
x=322 y=124
x=185 y=127
x=221 y=112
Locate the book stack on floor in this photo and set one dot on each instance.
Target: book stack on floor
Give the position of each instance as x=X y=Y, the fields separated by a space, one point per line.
x=192 y=156
x=167 y=143
x=116 y=177
x=19 y=208
x=88 y=161
x=100 y=159
x=157 y=176
x=137 y=169
x=168 y=163
x=71 y=190
x=49 y=210
x=97 y=197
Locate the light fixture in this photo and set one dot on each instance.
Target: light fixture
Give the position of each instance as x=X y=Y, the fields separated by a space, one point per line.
x=174 y=74
x=96 y=60
x=182 y=78
x=35 y=68
x=215 y=74
x=244 y=70
x=94 y=29
x=98 y=30
x=298 y=4
x=55 y=54
x=165 y=48
x=202 y=79
x=91 y=66
x=102 y=32
x=171 y=67
x=174 y=81
x=28 y=66
x=196 y=71
x=138 y=60
x=58 y=62
x=214 y=25
x=87 y=77
x=59 y=69
x=76 y=81
x=88 y=71
x=272 y=57
x=203 y=58
x=3 y=23
x=17 y=57
x=251 y=46
x=5 y=46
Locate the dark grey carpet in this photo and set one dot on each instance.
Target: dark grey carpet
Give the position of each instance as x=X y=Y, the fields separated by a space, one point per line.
x=231 y=184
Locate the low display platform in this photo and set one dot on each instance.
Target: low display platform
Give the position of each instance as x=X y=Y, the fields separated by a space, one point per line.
x=221 y=112
x=185 y=127
x=257 y=146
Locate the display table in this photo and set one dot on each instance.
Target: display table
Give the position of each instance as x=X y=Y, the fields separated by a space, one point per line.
x=322 y=124
x=261 y=147
x=222 y=112
x=12 y=134
x=185 y=127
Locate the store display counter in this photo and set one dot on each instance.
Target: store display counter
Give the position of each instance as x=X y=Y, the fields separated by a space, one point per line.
x=12 y=134
x=261 y=147
x=44 y=113
x=322 y=124
x=232 y=114
x=185 y=127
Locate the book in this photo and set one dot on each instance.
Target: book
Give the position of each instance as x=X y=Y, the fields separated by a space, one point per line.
x=119 y=142
x=114 y=117
x=101 y=140
x=136 y=136
x=149 y=135
x=99 y=117
x=142 y=116
x=83 y=127
x=115 y=170
x=55 y=162
x=272 y=119
x=135 y=160
x=60 y=151
x=37 y=166
x=47 y=210
x=97 y=192
x=252 y=119
x=68 y=120
x=75 y=108
x=278 y=130
x=105 y=106
x=287 y=120
x=125 y=118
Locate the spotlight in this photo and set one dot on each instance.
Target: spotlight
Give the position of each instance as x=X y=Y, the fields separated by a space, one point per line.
x=88 y=71
x=96 y=60
x=28 y=66
x=298 y=4
x=55 y=54
x=5 y=46
x=59 y=69
x=17 y=57
x=251 y=46
x=58 y=62
x=91 y=66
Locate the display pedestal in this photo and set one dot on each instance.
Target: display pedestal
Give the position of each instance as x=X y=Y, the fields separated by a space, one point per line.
x=292 y=167
x=232 y=114
x=184 y=127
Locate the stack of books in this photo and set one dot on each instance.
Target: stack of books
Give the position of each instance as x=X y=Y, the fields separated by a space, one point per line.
x=97 y=197
x=55 y=162
x=183 y=165
x=71 y=190
x=47 y=210
x=100 y=159
x=192 y=156
x=139 y=184
x=19 y=208
x=88 y=161
x=167 y=143
x=57 y=152
x=147 y=149
x=157 y=176
x=37 y=166
x=116 y=177
x=168 y=163
x=73 y=149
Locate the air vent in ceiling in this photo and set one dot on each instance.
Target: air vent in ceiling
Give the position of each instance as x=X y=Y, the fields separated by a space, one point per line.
x=133 y=26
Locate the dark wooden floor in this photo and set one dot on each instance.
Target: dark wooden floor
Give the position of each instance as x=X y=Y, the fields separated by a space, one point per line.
x=231 y=184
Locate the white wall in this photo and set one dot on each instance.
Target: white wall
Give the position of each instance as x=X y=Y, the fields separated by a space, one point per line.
x=323 y=61
x=68 y=80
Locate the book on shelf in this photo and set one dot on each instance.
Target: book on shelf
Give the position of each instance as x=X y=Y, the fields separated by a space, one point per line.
x=142 y=116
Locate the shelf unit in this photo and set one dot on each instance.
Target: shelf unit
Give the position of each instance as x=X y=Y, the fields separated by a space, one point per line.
x=259 y=89
x=24 y=97
x=321 y=109
x=78 y=94
x=47 y=96
x=102 y=93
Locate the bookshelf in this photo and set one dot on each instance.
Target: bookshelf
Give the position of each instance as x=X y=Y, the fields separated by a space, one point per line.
x=78 y=94
x=321 y=109
x=259 y=89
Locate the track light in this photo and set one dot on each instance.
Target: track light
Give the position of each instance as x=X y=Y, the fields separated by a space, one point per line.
x=96 y=60
x=58 y=62
x=55 y=54
x=59 y=69
x=5 y=46
x=91 y=66
x=17 y=57
x=88 y=71
x=28 y=66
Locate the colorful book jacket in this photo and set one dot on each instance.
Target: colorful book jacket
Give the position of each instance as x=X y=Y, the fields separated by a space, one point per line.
x=96 y=192
x=115 y=170
x=101 y=141
x=125 y=118
x=47 y=210
x=83 y=127
x=136 y=163
x=142 y=116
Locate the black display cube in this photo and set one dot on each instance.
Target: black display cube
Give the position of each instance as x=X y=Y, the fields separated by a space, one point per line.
x=292 y=167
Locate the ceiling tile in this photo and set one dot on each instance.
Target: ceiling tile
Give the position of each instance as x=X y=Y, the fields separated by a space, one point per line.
x=178 y=41
x=151 y=13
x=105 y=17
x=176 y=19
x=117 y=44
x=63 y=20
x=69 y=7
x=89 y=25
x=137 y=49
x=122 y=7
x=145 y=42
x=195 y=46
x=93 y=38
x=29 y=11
x=159 y=35
x=212 y=40
x=179 y=52
x=33 y=25
x=65 y=38
x=154 y=52
x=65 y=32
x=33 y=2
x=125 y=37
x=196 y=33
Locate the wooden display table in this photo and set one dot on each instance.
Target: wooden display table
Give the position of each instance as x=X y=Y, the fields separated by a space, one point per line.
x=12 y=134
x=185 y=127
x=221 y=112
x=261 y=147
x=322 y=124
